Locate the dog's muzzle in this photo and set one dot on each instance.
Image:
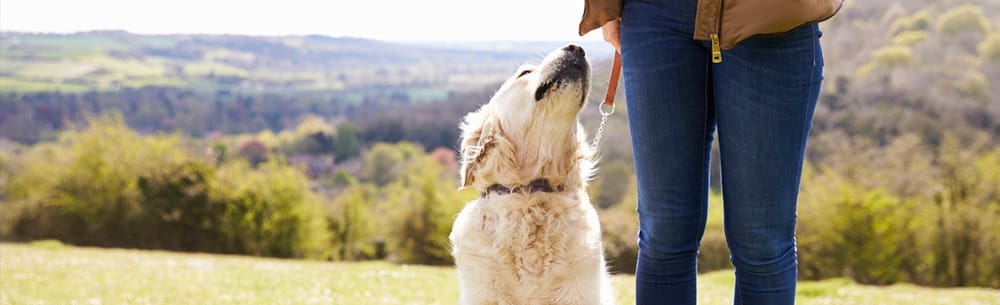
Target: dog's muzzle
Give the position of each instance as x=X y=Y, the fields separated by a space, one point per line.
x=570 y=66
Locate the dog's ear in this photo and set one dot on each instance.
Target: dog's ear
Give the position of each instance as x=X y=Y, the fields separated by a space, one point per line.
x=472 y=146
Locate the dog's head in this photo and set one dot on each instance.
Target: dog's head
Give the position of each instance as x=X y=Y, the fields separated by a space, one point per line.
x=529 y=128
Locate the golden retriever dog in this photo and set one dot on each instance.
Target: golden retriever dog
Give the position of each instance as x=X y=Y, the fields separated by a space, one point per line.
x=532 y=237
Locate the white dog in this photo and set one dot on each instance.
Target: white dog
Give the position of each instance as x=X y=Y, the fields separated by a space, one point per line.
x=532 y=237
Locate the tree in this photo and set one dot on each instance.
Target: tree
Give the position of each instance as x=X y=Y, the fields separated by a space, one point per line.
x=964 y=18
x=353 y=223
x=424 y=204
x=346 y=145
x=254 y=152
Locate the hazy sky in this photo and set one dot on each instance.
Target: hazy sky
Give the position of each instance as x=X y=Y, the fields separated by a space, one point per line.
x=400 y=20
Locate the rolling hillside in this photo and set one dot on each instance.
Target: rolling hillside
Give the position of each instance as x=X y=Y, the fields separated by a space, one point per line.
x=109 y=60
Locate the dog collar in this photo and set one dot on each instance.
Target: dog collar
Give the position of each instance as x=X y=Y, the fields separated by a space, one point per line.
x=537 y=185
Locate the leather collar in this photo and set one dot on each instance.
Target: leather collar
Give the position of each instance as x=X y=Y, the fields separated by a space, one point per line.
x=537 y=185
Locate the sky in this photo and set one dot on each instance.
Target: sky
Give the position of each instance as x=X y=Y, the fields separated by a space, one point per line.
x=392 y=20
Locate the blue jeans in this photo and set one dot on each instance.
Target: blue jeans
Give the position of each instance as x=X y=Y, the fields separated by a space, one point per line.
x=761 y=99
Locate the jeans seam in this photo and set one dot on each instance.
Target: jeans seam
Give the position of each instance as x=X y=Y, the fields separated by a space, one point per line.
x=709 y=97
x=805 y=120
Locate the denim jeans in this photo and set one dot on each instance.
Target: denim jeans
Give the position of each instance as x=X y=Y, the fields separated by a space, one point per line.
x=761 y=98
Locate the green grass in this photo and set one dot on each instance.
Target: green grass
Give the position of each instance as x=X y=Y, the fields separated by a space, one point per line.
x=218 y=69
x=50 y=273
x=14 y=85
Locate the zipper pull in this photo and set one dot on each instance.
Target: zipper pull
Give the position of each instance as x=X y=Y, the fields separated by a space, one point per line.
x=716 y=49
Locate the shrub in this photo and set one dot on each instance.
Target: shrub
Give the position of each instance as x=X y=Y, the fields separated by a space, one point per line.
x=384 y=161
x=893 y=56
x=177 y=210
x=83 y=189
x=963 y=18
x=620 y=228
x=919 y=21
x=989 y=49
x=608 y=188
x=974 y=85
x=108 y=186
x=909 y=38
x=271 y=211
x=619 y=233
x=424 y=204
x=353 y=224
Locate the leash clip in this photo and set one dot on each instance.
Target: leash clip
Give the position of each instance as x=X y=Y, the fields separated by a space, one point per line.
x=609 y=100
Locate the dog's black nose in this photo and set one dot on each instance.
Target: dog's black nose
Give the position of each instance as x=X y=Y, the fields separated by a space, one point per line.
x=572 y=48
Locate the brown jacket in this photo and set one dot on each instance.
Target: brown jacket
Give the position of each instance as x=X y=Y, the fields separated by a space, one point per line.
x=727 y=22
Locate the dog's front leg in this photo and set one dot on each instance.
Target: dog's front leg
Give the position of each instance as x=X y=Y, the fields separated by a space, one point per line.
x=476 y=286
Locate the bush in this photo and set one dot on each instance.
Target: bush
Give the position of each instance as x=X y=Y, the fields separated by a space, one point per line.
x=177 y=210
x=862 y=233
x=384 y=162
x=619 y=233
x=620 y=228
x=963 y=18
x=909 y=38
x=893 y=56
x=919 y=21
x=889 y=57
x=904 y=212
x=353 y=223
x=83 y=190
x=271 y=211
x=974 y=85
x=608 y=188
x=989 y=49
x=108 y=186
x=424 y=202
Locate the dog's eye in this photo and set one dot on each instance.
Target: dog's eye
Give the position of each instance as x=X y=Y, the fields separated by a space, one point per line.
x=523 y=73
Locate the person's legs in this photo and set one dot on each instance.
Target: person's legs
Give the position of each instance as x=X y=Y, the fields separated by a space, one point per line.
x=670 y=114
x=765 y=91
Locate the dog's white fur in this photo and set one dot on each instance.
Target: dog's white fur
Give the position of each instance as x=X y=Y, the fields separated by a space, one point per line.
x=530 y=248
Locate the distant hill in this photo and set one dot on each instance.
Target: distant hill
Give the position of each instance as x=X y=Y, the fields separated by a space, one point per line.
x=109 y=60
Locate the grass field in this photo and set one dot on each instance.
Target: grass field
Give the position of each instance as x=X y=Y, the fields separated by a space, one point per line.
x=50 y=273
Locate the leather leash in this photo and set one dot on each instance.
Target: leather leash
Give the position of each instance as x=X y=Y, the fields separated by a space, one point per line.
x=609 y=99
x=616 y=71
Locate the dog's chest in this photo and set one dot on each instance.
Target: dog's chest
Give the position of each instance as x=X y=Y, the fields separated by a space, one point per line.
x=535 y=239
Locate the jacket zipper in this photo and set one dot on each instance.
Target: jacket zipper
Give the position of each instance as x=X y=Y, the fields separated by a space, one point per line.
x=716 y=45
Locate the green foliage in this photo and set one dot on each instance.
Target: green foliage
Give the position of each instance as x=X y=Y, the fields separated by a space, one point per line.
x=383 y=162
x=620 y=227
x=424 y=204
x=619 y=232
x=175 y=206
x=893 y=56
x=904 y=212
x=963 y=18
x=967 y=210
x=271 y=211
x=989 y=49
x=608 y=188
x=106 y=185
x=346 y=145
x=909 y=38
x=353 y=223
x=919 y=21
x=714 y=252
x=863 y=232
x=974 y=85
x=888 y=57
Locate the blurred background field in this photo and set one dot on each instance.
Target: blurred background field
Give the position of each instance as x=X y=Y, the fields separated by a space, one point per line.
x=49 y=272
x=342 y=149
